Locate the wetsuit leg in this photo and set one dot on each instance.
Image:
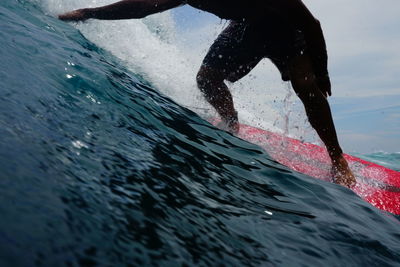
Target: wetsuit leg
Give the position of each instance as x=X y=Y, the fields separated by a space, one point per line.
x=287 y=49
x=319 y=114
x=231 y=57
x=315 y=103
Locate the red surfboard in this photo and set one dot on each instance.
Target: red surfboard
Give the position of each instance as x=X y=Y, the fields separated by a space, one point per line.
x=376 y=184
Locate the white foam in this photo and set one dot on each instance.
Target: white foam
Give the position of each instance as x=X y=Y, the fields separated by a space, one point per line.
x=169 y=60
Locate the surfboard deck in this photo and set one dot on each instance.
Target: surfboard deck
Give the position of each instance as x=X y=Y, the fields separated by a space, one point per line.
x=376 y=184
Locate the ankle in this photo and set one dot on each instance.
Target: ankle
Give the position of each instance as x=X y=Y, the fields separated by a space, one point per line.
x=336 y=154
x=231 y=119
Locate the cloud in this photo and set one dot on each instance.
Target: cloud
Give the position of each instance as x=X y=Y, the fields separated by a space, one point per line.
x=363 y=40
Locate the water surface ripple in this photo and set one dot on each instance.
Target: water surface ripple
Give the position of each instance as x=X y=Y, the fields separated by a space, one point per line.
x=98 y=168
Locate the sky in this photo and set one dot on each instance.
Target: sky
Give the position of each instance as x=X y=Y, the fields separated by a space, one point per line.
x=363 y=41
x=362 y=38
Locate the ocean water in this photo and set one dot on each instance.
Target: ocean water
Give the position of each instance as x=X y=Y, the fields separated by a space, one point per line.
x=102 y=163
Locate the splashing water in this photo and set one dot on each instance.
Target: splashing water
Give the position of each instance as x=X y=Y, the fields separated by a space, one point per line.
x=169 y=60
x=99 y=168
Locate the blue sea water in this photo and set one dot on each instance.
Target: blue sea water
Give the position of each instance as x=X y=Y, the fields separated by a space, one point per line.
x=97 y=168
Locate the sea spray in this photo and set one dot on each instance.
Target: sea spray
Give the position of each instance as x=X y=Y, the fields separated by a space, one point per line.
x=138 y=180
x=169 y=55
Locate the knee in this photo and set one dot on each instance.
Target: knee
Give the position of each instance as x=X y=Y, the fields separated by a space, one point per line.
x=208 y=79
x=201 y=79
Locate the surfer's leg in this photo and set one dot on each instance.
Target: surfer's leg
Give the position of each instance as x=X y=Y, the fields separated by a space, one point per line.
x=316 y=105
x=229 y=58
x=211 y=83
x=319 y=114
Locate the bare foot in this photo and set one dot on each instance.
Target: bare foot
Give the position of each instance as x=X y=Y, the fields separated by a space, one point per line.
x=231 y=126
x=234 y=127
x=341 y=173
x=232 y=123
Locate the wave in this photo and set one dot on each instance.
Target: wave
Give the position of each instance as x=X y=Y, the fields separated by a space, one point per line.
x=389 y=160
x=99 y=166
x=169 y=55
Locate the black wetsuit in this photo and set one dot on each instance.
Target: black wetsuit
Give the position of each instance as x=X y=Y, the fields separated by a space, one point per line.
x=238 y=9
x=257 y=30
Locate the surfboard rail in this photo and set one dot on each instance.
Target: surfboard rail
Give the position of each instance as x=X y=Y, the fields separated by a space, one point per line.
x=376 y=184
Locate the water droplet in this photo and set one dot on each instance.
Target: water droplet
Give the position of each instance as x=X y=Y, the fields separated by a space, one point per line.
x=79 y=144
x=268 y=212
